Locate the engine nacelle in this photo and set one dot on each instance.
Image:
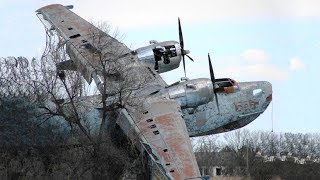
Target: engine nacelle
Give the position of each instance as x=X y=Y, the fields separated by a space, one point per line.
x=192 y=93
x=163 y=56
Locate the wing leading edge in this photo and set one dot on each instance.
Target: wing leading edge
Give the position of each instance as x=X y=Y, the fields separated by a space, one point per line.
x=85 y=44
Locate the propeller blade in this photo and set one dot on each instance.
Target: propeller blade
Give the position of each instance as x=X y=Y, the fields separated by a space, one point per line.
x=189 y=57
x=211 y=71
x=217 y=102
x=180 y=36
x=213 y=79
x=183 y=52
x=184 y=66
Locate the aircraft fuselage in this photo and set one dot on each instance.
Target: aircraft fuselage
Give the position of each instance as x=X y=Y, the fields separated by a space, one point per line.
x=237 y=105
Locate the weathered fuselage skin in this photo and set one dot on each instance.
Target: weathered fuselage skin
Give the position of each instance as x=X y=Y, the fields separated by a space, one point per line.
x=236 y=109
x=199 y=108
x=197 y=100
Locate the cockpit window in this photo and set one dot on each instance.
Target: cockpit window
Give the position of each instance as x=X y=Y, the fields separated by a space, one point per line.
x=225 y=82
x=225 y=85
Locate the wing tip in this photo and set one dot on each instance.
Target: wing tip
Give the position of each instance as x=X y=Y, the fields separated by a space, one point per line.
x=50 y=6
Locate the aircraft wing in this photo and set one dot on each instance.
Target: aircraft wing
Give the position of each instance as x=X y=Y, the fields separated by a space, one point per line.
x=158 y=122
x=85 y=43
x=163 y=133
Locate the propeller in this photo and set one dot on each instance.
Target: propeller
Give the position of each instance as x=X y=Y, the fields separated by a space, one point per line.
x=183 y=51
x=213 y=80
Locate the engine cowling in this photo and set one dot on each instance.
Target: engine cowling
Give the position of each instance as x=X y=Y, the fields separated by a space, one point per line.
x=164 y=56
x=192 y=93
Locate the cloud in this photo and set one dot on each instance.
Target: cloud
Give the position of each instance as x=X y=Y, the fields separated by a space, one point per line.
x=256 y=64
x=255 y=56
x=141 y=13
x=250 y=65
x=296 y=64
x=259 y=72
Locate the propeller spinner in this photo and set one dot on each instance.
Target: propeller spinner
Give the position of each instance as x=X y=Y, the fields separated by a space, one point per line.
x=213 y=80
x=183 y=51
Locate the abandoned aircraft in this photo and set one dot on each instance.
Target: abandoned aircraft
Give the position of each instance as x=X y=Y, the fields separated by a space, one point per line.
x=167 y=115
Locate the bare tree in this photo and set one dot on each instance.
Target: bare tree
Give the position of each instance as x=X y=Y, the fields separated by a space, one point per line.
x=237 y=139
x=94 y=146
x=265 y=154
x=207 y=149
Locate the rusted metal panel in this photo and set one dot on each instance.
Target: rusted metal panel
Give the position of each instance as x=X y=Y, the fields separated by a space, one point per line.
x=166 y=133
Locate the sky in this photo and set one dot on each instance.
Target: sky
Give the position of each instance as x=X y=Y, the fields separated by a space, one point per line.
x=248 y=40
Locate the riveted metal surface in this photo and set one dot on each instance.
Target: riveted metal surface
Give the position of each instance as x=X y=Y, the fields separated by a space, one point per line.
x=86 y=44
x=166 y=133
x=237 y=109
x=191 y=93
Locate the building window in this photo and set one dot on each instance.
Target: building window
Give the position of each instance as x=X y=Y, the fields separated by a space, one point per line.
x=219 y=171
